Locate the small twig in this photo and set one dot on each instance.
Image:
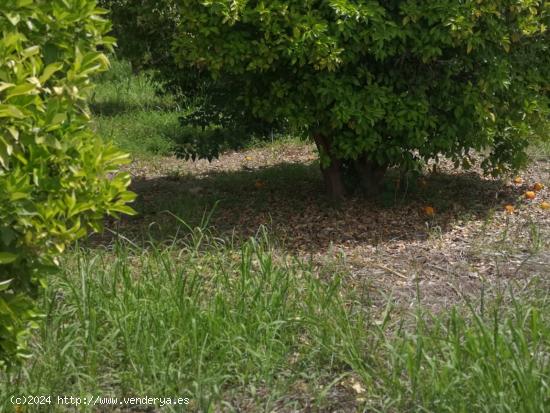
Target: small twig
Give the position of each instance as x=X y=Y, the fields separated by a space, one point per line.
x=394 y=272
x=446 y=270
x=119 y=235
x=457 y=292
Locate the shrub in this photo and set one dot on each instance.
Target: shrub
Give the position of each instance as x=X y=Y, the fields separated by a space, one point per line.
x=57 y=178
x=144 y=31
x=381 y=84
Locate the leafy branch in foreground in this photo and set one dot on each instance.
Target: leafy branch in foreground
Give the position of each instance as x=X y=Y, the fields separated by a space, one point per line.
x=57 y=178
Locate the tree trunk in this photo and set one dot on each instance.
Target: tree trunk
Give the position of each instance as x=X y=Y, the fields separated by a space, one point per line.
x=332 y=174
x=370 y=175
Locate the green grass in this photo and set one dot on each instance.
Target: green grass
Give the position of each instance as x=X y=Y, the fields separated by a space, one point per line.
x=141 y=132
x=222 y=324
x=492 y=361
x=135 y=111
x=119 y=90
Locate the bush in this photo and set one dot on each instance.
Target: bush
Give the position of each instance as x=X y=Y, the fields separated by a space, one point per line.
x=57 y=178
x=381 y=84
x=144 y=30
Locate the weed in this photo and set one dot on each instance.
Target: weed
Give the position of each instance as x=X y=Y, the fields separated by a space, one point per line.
x=222 y=324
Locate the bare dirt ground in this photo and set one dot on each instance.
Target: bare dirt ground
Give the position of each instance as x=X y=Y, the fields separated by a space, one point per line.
x=470 y=243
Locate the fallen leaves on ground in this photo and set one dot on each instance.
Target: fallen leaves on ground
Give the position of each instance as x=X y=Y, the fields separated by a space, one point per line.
x=390 y=247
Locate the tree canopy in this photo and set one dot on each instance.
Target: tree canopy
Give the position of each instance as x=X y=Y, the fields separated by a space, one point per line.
x=380 y=84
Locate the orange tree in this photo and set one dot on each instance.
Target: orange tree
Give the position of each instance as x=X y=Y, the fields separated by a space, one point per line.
x=379 y=84
x=57 y=178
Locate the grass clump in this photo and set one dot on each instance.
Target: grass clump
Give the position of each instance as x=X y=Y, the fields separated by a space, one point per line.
x=120 y=90
x=141 y=133
x=229 y=327
x=204 y=325
x=135 y=111
x=493 y=361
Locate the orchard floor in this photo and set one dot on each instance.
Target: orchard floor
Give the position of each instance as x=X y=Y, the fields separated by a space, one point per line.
x=283 y=301
x=471 y=244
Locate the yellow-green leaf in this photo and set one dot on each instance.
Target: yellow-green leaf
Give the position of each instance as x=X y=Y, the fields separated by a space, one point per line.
x=7 y=257
x=10 y=111
x=24 y=89
x=49 y=71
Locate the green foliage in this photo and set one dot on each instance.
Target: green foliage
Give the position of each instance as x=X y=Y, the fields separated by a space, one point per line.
x=119 y=90
x=144 y=31
x=57 y=178
x=396 y=83
x=249 y=327
x=210 y=127
x=141 y=115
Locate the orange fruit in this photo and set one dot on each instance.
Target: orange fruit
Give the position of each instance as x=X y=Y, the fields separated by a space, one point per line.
x=259 y=184
x=428 y=210
x=509 y=209
x=518 y=180
x=530 y=195
x=537 y=186
x=545 y=205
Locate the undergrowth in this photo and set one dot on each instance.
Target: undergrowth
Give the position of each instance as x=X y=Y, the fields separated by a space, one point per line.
x=234 y=326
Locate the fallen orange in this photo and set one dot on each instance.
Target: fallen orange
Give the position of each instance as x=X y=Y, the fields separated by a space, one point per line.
x=537 y=186
x=509 y=209
x=428 y=210
x=545 y=205
x=518 y=180
x=530 y=195
x=259 y=184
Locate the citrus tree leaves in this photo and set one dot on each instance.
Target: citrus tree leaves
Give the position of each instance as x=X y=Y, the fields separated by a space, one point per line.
x=57 y=178
x=399 y=81
x=7 y=257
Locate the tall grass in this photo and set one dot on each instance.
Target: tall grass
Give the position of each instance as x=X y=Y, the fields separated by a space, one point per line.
x=496 y=361
x=223 y=325
x=176 y=322
x=120 y=90
x=135 y=111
